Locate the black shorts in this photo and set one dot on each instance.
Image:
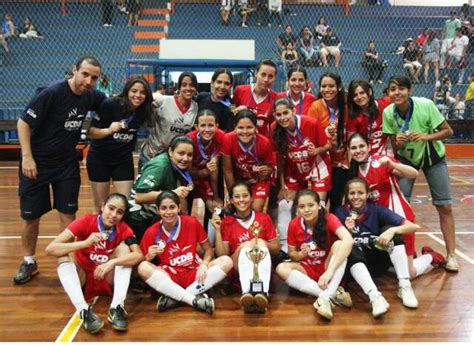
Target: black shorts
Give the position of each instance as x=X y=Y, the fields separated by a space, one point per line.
x=35 y=199
x=100 y=171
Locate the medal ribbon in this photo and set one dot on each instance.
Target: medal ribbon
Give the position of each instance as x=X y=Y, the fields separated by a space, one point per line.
x=299 y=138
x=307 y=237
x=407 y=117
x=249 y=149
x=185 y=174
x=300 y=104
x=202 y=151
x=332 y=113
x=176 y=226
x=243 y=219
x=110 y=233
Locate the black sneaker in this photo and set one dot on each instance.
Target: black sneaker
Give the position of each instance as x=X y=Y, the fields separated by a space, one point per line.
x=165 y=303
x=118 y=318
x=137 y=285
x=26 y=272
x=204 y=303
x=92 y=323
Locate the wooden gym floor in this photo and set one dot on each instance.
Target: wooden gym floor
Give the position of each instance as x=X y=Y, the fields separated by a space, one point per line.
x=41 y=311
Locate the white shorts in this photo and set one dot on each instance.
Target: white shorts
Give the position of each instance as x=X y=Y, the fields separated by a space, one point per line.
x=227 y=4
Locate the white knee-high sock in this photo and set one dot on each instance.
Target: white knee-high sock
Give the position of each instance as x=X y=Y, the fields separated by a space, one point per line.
x=69 y=278
x=300 y=281
x=163 y=284
x=362 y=276
x=246 y=269
x=214 y=275
x=422 y=264
x=121 y=281
x=284 y=218
x=400 y=263
x=330 y=291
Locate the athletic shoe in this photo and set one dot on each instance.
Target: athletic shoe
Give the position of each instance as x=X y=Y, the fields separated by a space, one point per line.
x=118 y=318
x=379 y=306
x=203 y=303
x=438 y=258
x=247 y=302
x=137 y=285
x=407 y=295
x=342 y=298
x=166 y=303
x=323 y=307
x=452 y=263
x=92 y=323
x=26 y=272
x=261 y=303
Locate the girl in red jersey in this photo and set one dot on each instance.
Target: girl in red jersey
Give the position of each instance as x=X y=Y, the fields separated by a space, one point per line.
x=318 y=245
x=234 y=237
x=365 y=116
x=248 y=156
x=207 y=139
x=381 y=172
x=297 y=82
x=96 y=254
x=258 y=99
x=301 y=146
x=172 y=266
x=331 y=112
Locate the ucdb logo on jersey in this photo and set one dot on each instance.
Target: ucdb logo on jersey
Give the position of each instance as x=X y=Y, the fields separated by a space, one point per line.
x=182 y=260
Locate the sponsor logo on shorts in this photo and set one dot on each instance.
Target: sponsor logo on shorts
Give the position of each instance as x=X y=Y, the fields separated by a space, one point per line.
x=32 y=113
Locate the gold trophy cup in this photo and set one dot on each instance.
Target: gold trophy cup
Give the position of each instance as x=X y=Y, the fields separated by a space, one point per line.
x=256 y=255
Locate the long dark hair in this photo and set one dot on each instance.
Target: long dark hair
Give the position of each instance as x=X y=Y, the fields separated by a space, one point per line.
x=231 y=207
x=354 y=165
x=351 y=181
x=245 y=114
x=279 y=134
x=341 y=104
x=145 y=110
x=119 y=196
x=320 y=230
x=354 y=109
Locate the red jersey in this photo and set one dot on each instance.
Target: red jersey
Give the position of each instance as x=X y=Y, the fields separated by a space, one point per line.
x=299 y=165
x=246 y=159
x=204 y=153
x=384 y=189
x=302 y=106
x=234 y=232
x=244 y=95
x=99 y=253
x=379 y=142
x=298 y=234
x=180 y=251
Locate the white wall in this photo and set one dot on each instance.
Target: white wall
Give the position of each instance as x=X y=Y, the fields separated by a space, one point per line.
x=449 y=3
x=208 y=49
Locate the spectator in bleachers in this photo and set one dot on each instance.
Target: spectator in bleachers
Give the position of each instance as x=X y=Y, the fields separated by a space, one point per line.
x=422 y=37
x=373 y=64
x=449 y=33
x=321 y=28
x=469 y=97
x=9 y=29
x=457 y=54
x=307 y=45
x=275 y=9
x=410 y=61
x=431 y=55
x=458 y=108
x=104 y=85
x=330 y=45
x=170 y=90
x=68 y=75
x=107 y=12
x=226 y=7
x=4 y=43
x=442 y=95
x=244 y=11
x=133 y=8
x=30 y=30
x=289 y=56
x=286 y=37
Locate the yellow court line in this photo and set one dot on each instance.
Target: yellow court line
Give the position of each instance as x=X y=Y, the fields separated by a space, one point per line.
x=460 y=180
x=69 y=332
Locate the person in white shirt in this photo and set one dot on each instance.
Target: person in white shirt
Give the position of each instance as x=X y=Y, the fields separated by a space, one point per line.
x=457 y=53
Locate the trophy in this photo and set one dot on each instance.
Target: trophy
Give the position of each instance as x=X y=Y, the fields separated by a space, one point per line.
x=256 y=255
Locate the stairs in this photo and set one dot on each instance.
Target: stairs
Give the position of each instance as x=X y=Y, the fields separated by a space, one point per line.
x=152 y=27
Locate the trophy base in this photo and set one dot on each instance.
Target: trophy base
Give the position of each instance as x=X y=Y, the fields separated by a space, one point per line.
x=256 y=287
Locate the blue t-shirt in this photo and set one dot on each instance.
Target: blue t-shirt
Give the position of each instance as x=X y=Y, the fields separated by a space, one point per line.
x=55 y=115
x=370 y=223
x=113 y=148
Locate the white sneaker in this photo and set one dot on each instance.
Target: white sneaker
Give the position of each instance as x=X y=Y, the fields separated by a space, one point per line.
x=323 y=307
x=342 y=298
x=451 y=263
x=407 y=295
x=379 y=306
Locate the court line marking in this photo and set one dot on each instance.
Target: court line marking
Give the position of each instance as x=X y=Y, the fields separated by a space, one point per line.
x=458 y=252
x=459 y=180
x=73 y=326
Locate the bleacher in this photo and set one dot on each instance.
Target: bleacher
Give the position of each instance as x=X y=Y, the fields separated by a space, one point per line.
x=33 y=63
